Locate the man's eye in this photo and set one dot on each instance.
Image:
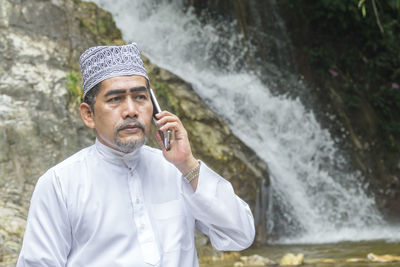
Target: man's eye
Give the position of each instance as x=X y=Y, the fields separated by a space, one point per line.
x=141 y=97
x=114 y=99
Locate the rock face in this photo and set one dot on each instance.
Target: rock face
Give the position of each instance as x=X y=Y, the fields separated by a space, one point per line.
x=40 y=42
x=38 y=39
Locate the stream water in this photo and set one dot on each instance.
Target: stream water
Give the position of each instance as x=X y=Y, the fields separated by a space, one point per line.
x=338 y=253
x=315 y=197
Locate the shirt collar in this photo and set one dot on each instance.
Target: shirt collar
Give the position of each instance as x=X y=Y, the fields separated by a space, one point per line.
x=130 y=160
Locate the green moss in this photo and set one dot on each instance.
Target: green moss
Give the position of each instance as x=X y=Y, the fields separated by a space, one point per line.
x=98 y=22
x=74 y=81
x=165 y=97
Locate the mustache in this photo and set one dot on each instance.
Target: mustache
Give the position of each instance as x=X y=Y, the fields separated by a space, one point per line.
x=129 y=123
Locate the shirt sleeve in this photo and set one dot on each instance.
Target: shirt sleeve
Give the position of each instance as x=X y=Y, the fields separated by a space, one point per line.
x=218 y=212
x=47 y=238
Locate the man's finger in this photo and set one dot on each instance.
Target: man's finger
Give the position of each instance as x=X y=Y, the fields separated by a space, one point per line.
x=159 y=140
x=173 y=126
x=163 y=113
x=166 y=119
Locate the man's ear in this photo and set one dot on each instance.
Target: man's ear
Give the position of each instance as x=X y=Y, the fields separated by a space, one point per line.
x=87 y=115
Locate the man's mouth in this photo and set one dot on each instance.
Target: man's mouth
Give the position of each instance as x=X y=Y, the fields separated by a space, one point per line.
x=130 y=127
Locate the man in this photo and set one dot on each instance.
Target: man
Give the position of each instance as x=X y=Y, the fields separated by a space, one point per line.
x=120 y=203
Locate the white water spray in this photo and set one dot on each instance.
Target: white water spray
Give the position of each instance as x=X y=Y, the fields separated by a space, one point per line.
x=318 y=200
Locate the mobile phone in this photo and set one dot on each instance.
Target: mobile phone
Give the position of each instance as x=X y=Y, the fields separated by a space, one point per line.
x=166 y=135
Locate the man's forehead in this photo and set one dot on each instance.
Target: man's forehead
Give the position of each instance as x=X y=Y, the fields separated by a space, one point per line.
x=111 y=91
x=123 y=85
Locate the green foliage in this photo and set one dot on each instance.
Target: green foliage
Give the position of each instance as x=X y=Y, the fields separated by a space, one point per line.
x=74 y=81
x=361 y=5
x=359 y=39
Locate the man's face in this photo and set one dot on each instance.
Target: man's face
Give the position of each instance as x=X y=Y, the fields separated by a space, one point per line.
x=123 y=113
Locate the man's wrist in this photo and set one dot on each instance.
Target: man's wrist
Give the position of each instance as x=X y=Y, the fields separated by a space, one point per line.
x=192 y=175
x=188 y=166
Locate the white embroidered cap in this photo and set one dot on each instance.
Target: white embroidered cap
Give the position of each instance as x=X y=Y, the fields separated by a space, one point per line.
x=102 y=62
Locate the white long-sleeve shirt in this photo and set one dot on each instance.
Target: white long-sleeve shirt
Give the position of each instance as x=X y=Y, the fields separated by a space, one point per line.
x=101 y=207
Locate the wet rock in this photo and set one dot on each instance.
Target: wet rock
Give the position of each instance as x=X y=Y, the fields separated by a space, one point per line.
x=382 y=258
x=255 y=260
x=221 y=258
x=290 y=259
x=355 y=260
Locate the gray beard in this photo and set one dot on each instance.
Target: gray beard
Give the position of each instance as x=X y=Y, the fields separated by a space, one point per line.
x=130 y=146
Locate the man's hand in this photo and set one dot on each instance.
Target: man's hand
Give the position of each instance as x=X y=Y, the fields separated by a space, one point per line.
x=179 y=153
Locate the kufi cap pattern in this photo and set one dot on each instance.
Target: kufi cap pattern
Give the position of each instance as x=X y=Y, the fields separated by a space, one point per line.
x=102 y=62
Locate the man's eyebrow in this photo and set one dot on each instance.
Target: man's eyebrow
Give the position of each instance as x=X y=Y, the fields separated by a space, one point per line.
x=115 y=92
x=123 y=91
x=138 y=89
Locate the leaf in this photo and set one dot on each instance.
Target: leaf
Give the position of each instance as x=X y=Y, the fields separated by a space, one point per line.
x=361 y=3
x=363 y=11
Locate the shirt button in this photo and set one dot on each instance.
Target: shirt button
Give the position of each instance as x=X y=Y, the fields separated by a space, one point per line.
x=137 y=201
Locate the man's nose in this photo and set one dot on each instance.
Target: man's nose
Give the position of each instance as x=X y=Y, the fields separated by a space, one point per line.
x=129 y=108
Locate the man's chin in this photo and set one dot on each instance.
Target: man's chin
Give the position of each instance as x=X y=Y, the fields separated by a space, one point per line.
x=128 y=145
x=131 y=138
x=126 y=136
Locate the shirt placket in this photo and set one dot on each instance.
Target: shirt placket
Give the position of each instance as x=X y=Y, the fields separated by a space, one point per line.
x=145 y=232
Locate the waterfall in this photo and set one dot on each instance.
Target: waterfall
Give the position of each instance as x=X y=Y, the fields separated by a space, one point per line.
x=314 y=196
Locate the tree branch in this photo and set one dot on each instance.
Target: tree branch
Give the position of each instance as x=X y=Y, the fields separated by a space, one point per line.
x=378 y=21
